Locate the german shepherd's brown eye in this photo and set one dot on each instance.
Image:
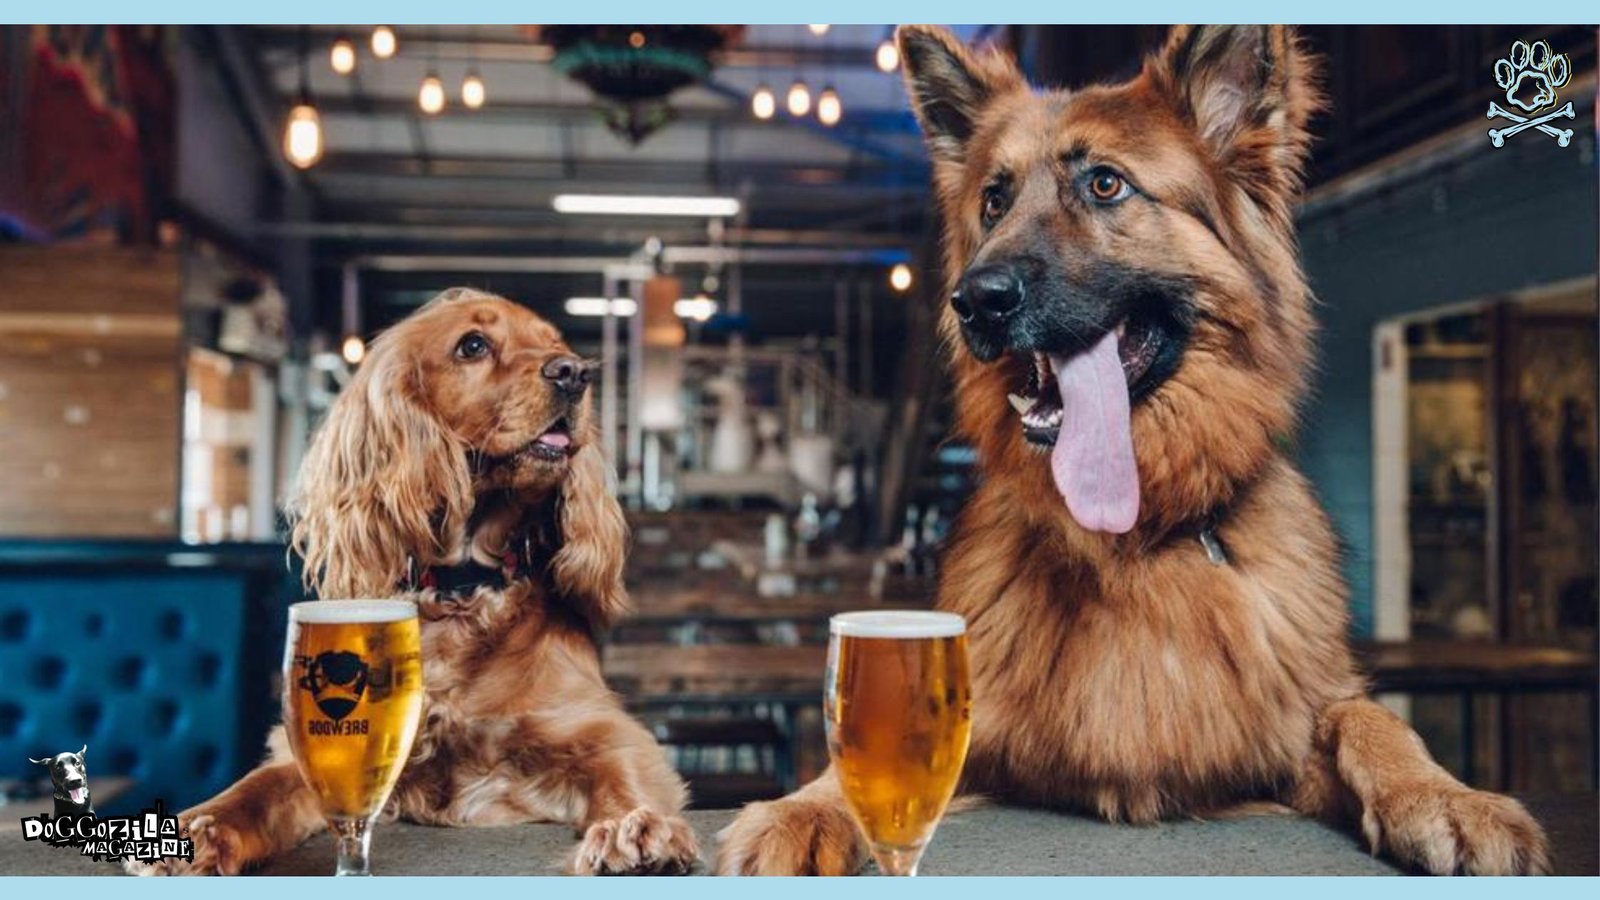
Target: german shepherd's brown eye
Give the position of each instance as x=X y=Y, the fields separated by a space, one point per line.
x=995 y=204
x=1107 y=186
x=473 y=345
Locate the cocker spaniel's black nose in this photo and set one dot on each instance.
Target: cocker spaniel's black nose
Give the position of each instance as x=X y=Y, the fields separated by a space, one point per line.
x=569 y=374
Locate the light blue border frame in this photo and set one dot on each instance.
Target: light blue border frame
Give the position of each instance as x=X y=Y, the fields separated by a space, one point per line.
x=492 y=888
x=1148 y=11
x=1156 y=11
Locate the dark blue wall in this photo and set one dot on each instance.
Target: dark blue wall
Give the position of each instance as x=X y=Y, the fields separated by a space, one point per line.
x=1492 y=222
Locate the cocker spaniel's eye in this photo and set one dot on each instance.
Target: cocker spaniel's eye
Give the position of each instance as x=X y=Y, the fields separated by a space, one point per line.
x=473 y=345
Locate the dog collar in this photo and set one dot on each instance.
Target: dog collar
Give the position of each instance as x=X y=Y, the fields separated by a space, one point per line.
x=461 y=580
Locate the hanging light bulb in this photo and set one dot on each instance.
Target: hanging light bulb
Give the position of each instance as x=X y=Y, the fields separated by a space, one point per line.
x=799 y=99
x=763 y=103
x=342 y=56
x=302 y=136
x=819 y=30
x=829 y=108
x=354 y=349
x=431 y=95
x=302 y=133
x=384 y=43
x=888 y=57
x=473 y=92
x=900 y=278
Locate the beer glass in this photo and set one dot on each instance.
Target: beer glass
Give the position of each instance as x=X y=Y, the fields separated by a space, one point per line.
x=352 y=697
x=897 y=708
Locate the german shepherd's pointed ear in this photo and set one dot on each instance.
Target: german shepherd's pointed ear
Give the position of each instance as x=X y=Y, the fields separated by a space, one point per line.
x=950 y=85
x=1250 y=92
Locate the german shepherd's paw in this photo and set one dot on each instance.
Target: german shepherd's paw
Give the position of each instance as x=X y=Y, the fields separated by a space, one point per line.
x=216 y=852
x=791 y=837
x=643 y=842
x=1451 y=829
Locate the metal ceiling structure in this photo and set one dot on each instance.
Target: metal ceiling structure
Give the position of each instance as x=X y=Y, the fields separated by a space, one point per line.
x=394 y=182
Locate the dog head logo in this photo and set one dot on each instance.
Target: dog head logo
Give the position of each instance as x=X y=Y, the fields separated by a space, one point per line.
x=1531 y=75
x=70 y=776
x=337 y=679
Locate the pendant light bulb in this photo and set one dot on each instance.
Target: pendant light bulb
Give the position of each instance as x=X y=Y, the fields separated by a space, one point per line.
x=302 y=135
x=829 y=108
x=900 y=278
x=798 y=99
x=384 y=43
x=342 y=56
x=888 y=57
x=763 y=103
x=473 y=92
x=430 y=97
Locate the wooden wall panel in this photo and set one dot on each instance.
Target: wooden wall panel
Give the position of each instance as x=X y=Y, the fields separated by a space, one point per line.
x=90 y=392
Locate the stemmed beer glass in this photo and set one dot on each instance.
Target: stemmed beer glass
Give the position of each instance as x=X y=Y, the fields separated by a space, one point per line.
x=897 y=708
x=352 y=700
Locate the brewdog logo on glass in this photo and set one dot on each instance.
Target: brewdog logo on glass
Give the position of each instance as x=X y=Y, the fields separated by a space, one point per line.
x=338 y=681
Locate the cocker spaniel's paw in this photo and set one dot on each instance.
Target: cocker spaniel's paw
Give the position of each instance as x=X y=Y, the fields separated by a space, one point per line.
x=644 y=842
x=216 y=852
x=791 y=837
x=1448 y=829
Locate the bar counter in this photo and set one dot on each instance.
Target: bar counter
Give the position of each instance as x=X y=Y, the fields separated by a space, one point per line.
x=984 y=841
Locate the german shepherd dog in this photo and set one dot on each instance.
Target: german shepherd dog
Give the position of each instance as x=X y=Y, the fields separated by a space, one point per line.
x=1157 y=621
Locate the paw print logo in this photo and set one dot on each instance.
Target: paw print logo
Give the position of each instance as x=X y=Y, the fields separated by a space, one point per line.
x=1530 y=75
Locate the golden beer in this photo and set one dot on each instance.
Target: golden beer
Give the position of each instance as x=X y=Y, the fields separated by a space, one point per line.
x=352 y=702
x=898 y=715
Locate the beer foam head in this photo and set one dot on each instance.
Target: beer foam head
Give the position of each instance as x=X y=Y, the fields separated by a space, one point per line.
x=903 y=624
x=332 y=612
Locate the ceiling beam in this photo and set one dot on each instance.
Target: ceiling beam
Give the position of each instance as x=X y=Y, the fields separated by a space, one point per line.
x=734 y=112
x=525 y=169
x=462 y=47
x=631 y=267
x=465 y=233
x=262 y=108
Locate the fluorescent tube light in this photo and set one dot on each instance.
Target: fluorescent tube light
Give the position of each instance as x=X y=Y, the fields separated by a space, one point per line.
x=697 y=308
x=596 y=306
x=635 y=205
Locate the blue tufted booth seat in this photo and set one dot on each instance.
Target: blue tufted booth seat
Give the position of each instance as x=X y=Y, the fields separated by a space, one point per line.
x=152 y=666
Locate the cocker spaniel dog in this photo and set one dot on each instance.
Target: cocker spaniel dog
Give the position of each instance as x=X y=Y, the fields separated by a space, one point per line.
x=461 y=468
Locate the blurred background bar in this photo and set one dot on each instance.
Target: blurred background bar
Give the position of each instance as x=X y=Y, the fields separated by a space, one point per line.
x=202 y=226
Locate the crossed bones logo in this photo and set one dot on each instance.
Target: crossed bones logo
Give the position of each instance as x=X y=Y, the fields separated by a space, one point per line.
x=1530 y=75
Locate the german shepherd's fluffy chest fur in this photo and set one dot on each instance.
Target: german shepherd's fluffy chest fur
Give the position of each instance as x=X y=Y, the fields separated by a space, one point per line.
x=1151 y=684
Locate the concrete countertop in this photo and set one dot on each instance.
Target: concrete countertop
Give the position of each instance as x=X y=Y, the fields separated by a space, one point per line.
x=984 y=841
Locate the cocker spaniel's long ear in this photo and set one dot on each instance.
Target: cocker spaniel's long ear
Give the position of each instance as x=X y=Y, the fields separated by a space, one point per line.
x=587 y=569
x=383 y=482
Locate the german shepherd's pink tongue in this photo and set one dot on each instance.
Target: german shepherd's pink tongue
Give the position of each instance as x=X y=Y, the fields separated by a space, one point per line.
x=1093 y=456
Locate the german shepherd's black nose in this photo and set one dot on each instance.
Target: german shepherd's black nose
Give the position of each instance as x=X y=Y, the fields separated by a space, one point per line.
x=568 y=374
x=991 y=293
